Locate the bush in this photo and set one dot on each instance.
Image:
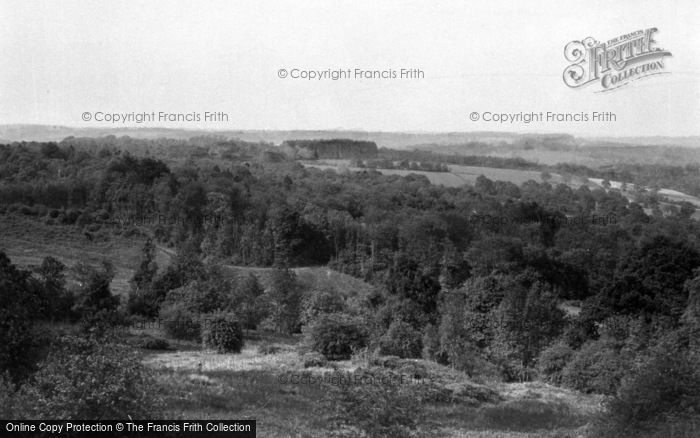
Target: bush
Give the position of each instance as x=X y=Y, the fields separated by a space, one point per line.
x=401 y=340
x=336 y=336
x=102 y=321
x=666 y=389
x=222 y=332
x=597 y=367
x=383 y=408
x=40 y=210
x=147 y=342
x=313 y=359
x=269 y=349
x=180 y=323
x=71 y=216
x=8 y=404
x=197 y=296
x=552 y=362
x=20 y=303
x=385 y=361
x=89 y=380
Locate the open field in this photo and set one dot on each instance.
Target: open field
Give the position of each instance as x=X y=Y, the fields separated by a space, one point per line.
x=458 y=175
x=256 y=385
x=461 y=175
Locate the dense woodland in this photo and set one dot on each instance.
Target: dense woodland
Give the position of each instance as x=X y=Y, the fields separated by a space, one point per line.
x=573 y=286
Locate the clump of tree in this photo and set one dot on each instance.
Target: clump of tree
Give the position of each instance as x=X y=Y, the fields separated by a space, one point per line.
x=222 y=332
x=284 y=296
x=507 y=320
x=19 y=300
x=250 y=302
x=337 y=336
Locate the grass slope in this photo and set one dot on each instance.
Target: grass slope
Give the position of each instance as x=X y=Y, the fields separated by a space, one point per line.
x=27 y=241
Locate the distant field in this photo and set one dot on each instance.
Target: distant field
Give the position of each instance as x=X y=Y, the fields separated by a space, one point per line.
x=549 y=158
x=517 y=177
x=461 y=175
x=458 y=175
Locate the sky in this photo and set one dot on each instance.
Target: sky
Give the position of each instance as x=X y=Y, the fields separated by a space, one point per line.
x=62 y=59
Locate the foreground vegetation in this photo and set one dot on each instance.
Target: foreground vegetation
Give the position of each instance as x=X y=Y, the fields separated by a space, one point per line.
x=533 y=309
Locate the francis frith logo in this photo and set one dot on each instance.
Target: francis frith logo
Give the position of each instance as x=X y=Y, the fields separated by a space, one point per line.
x=616 y=62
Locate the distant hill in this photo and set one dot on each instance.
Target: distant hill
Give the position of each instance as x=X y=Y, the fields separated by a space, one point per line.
x=692 y=141
x=393 y=140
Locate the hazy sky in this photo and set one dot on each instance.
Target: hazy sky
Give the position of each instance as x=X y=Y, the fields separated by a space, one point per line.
x=63 y=58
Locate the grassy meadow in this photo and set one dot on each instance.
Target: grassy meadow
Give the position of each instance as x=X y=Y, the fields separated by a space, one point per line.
x=257 y=384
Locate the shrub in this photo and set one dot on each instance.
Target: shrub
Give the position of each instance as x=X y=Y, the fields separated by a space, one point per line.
x=84 y=379
x=336 y=336
x=94 y=294
x=222 y=332
x=102 y=321
x=401 y=340
x=71 y=216
x=382 y=408
x=180 y=323
x=141 y=302
x=20 y=302
x=84 y=219
x=89 y=380
x=413 y=369
x=40 y=210
x=385 y=361
x=7 y=397
x=313 y=359
x=552 y=361
x=666 y=389
x=597 y=367
x=150 y=343
x=197 y=296
x=269 y=349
